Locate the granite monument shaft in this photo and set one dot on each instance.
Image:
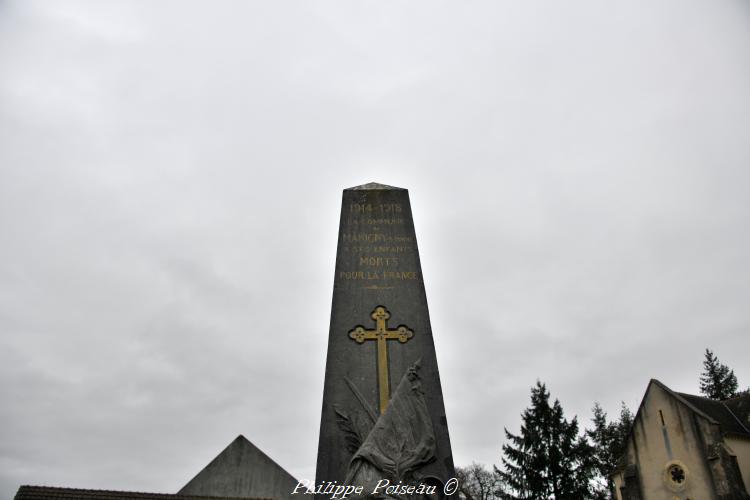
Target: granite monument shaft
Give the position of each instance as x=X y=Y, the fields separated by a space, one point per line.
x=368 y=431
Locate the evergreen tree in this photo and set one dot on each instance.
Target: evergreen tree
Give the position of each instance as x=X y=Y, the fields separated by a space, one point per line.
x=608 y=440
x=547 y=460
x=717 y=380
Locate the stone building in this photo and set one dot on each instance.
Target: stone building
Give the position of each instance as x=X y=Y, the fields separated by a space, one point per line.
x=240 y=471
x=686 y=447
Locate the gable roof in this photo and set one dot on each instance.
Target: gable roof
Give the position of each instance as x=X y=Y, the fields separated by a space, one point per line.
x=54 y=493
x=732 y=415
x=242 y=470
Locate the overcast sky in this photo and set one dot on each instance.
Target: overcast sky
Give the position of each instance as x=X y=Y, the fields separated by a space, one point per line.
x=170 y=187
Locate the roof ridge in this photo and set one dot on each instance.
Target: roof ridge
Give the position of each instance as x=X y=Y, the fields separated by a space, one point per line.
x=735 y=417
x=740 y=395
x=695 y=396
x=733 y=398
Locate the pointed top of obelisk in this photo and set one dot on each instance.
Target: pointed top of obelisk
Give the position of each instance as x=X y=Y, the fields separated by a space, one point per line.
x=374 y=185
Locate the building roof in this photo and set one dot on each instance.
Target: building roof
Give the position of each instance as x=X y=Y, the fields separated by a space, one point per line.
x=733 y=415
x=241 y=470
x=53 y=493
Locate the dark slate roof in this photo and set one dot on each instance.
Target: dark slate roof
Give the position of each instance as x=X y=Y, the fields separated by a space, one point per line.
x=242 y=471
x=733 y=415
x=740 y=406
x=54 y=493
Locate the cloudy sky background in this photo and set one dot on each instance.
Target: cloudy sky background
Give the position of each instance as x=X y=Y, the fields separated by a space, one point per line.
x=170 y=187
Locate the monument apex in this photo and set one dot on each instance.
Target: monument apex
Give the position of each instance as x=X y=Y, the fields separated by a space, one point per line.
x=373 y=185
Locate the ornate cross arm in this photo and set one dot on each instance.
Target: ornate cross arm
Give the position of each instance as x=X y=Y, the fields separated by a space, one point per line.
x=381 y=333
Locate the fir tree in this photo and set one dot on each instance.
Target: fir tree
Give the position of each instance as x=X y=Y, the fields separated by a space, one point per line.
x=547 y=460
x=608 y=440
x=717 y=380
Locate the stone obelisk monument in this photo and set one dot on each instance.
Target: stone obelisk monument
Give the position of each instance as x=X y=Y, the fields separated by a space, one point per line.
x=383 y=414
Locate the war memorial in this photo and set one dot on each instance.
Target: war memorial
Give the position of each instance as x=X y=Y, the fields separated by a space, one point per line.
x=383 y=416
x=383 y=429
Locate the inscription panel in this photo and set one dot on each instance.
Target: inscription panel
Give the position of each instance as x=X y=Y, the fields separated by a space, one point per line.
x=374 y=244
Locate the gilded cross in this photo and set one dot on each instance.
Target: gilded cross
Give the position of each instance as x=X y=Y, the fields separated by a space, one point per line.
x=382 y=334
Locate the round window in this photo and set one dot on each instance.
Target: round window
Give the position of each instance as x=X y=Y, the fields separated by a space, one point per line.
x=676 y=475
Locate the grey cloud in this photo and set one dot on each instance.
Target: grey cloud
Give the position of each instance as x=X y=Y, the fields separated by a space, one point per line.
x=170 y=179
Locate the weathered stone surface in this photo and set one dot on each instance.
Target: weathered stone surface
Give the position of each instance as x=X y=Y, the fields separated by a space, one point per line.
x=379 y=287
x=242 y=470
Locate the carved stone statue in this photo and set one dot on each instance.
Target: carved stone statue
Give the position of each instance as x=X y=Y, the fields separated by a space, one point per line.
x=401 y=441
